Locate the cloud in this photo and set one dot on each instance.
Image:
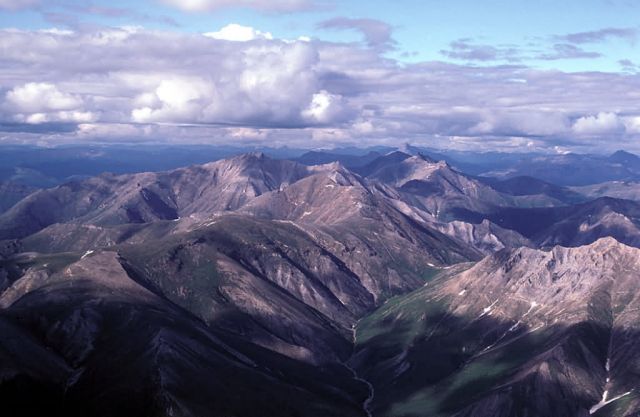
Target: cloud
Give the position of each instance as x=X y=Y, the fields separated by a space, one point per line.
x=137 y=84
x=37 y=103
x=568 y=51
x=261 y=5
x=464 y=49
x=238 y=33
x=18 y=4
x=602 y=124
x=377 y=34
x=41 y=97
x=629 y=66
x=596 y=36
x=90 y=8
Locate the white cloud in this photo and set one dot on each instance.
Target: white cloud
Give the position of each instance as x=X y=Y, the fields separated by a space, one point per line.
x=36 y=103
x=325 y=108
x=603 y=123
x=177 y=100
x=163 y=85
x=41 y=97
x=632 y=124
x=238 y=33
x=262 y=5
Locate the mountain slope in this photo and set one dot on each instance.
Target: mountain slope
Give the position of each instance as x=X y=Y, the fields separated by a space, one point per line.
x=11 y=193
x=138 y=198
x=107 y=344
x=524 y=332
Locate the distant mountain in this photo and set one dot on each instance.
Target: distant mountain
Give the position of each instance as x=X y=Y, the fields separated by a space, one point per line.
x=436 y=188
x=574 y=169
x=524 y=332
x=384 y=161
x=485 y=237
x=11 y=193
x=571 y=225
x=627 y=190
x=626 y=158
x=348 y=160
x=588 y=222
x=139 y=198
x=529 y=186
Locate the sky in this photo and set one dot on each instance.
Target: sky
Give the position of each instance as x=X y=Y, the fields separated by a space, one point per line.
x=537 y=75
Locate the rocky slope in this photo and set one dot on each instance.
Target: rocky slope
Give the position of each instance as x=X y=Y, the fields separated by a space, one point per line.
x=84 y=336
x=524 y=332
x=139 y=198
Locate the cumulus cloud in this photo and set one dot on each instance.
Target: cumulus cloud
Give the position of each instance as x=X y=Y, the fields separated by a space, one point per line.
x=136 y=84
x=238 y=33
x=36 y=103
x=262 y=5
x=38 y=97
x=601 y=124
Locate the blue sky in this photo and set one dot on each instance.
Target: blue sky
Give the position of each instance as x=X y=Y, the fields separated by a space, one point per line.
x=422 y=29
x=493 y=74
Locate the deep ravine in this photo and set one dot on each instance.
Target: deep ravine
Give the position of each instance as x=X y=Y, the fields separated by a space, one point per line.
x=366 y=405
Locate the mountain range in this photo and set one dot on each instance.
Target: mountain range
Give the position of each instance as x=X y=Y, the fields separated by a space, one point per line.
x=386 y=283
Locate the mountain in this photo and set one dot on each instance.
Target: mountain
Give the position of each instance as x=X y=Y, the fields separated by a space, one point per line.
x=348 y=160
x=11 y=193
x=571 y=225
x=535 y=189
x=390 y=159
x=83 y=336
x=573 y=169
x=568 y=169
x=626 y=190
x=138 y=198
x=255 y=286
x=437 y=189
x=586 y=223
x=485 y=237
x=626 y=158
x=523 y=332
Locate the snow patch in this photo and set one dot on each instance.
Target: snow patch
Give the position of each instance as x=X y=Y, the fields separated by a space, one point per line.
x=605 y=402
x=487 y=310
x=87 y=253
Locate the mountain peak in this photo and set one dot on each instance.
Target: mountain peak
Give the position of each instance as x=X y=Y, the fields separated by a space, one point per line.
x=624 y=157
x=256 y=155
